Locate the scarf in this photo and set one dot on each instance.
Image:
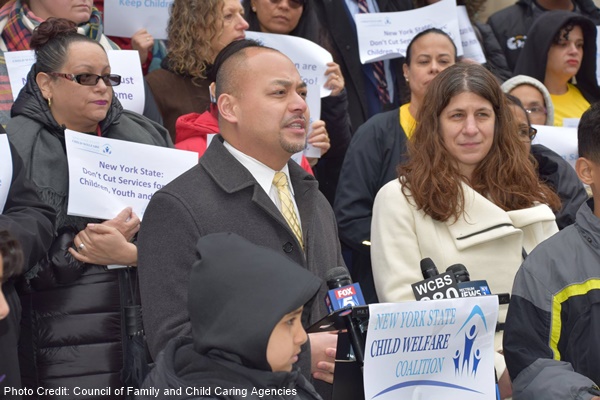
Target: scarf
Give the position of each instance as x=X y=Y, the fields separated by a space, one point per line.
x=17 y=23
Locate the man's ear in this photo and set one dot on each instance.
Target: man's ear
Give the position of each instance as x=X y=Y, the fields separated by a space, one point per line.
x=227 y=105
x=43 y=81
x=585 y=170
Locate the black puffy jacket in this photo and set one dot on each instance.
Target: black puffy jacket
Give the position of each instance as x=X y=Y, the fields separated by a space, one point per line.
x=72 y=323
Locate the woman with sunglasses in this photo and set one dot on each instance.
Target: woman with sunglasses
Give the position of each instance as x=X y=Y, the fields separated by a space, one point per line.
x=19 y=18
x=71 y=322
x=297 y=18
x=552 y=169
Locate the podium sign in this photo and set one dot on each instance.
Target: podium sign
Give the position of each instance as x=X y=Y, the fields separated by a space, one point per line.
x=431 y=349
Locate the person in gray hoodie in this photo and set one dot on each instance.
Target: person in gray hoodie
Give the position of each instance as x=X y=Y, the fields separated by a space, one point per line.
x=246 y=310
x=555 y=171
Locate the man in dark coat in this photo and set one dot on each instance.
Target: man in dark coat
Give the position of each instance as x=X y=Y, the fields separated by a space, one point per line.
x=338 y=18
x=263 y=120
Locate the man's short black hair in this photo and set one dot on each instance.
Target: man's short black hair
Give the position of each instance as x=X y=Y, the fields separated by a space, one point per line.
x=588 y=134
x=225 y=66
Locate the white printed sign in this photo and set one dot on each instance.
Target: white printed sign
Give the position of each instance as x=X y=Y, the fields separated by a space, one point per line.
x=18 y=65
x=107 y=175
x=470 y=44
x=383 y=36
x=6 y=170
x=311 y=61
x=598 y=54
x=439 y=349
x=561 y=140
x=123 y=62
x=123 y=18
x=131 y=90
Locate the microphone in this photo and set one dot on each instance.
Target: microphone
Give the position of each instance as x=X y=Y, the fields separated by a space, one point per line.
x=466 y=286
x=342 y=292
x=428 y=268
x=435 y=286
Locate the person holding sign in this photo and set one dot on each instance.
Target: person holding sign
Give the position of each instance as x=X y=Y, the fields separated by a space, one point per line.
x=494 y=56
x=561 y=50
x=551 y=338
x=71 y=293
x=378 y=147
x=197 y=30
x=467 y=193
x=151 y=51
x=19 y=18
x=296 y=18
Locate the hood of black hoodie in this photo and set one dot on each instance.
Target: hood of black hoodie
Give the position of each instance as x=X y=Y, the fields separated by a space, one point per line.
x=534 y=56
x=238 y=292
x=31 y=104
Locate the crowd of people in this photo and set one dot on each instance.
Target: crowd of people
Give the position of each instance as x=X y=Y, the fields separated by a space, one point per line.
x=430 y=155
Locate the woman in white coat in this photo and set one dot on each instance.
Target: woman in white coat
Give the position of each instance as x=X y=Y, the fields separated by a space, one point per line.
x=467 y=194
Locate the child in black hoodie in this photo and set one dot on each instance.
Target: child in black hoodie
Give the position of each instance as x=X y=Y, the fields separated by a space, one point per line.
x=245 y=305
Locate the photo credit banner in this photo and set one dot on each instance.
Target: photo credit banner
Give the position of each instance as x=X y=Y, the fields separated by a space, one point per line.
x=123 y=18
x=122 y=62
x=107 y=175
x=431 y=349
x=6 y=170
x=383 y=36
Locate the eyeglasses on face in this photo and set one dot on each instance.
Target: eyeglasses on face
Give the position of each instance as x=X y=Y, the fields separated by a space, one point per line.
x=90 y=79
x=536 y=110
x=292 y=3
x=527 y=133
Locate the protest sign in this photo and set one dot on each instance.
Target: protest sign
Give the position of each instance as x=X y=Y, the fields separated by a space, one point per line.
x=383 y=36
x=131 y=90
x=18 y=65
x=470 y=44
x=6 y=170
x=123 y=62
x=561 y=140
x=123 y=18
x=107 y=175
x=431 y=349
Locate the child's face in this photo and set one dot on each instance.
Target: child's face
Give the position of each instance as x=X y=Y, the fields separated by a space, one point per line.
x=3 y=304
x=285 y=341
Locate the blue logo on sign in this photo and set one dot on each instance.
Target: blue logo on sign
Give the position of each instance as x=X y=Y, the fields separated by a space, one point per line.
x=106 y=149
x=467 y=361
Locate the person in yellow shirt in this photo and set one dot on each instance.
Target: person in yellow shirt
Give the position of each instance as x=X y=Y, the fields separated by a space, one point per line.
x=561 y=52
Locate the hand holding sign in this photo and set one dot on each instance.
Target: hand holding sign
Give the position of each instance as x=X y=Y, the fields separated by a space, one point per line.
x=103 y=244
x=335 y=79
x=142 y=41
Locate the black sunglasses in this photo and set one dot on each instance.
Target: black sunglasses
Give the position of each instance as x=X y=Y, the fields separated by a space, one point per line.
x=90 y=79
x=293 y=3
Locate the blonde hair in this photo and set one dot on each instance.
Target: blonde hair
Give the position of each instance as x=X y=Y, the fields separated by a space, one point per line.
x=192 y=27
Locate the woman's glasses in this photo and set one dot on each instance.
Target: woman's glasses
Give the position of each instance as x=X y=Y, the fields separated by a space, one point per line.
x=527 y=133
x=292 y=3
x=90 y=79
x=536 y=110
